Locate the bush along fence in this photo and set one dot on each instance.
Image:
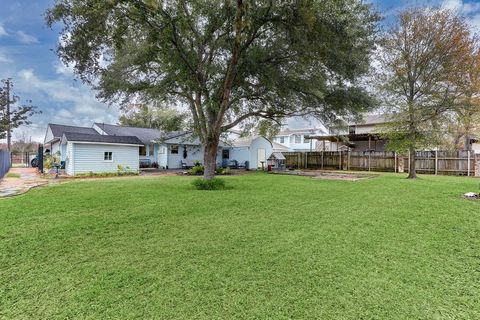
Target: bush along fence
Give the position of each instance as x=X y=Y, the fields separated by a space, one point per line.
x=434 y=162
x=4 y=162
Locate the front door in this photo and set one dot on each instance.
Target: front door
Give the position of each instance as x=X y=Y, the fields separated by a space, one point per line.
x=261 y=157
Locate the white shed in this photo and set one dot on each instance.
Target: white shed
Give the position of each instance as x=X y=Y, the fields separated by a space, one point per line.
x=255 y=150
x=100 y=153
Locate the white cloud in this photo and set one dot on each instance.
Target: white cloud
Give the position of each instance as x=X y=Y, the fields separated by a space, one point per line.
x=76 y=102
x=64 y=70
x=470 y=10
x=24 y=37
x=4 y=58
x=3 y=32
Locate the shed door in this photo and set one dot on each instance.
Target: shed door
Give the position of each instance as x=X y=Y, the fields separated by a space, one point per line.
x=261 y=156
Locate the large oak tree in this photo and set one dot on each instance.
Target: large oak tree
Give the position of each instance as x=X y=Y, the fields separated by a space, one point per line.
x=229 y=61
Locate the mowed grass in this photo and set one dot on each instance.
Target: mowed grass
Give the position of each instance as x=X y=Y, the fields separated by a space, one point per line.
x=268 y=247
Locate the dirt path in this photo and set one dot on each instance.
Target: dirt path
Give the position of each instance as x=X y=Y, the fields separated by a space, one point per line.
x=20 y=181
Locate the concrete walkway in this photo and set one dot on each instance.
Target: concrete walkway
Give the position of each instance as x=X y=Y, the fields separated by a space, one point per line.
x=22 y=180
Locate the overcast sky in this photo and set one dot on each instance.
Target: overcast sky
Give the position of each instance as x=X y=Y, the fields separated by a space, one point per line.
x=26 y=56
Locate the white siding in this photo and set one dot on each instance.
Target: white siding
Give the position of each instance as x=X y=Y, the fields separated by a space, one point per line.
x=55 y=147
x=194 y=153
x=48 y=136
x=476 y=147
x=367 y=128
x=90 y=157
x=162 y=156
x=69 y=159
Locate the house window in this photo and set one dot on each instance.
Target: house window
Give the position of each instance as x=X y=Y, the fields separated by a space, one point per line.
x=225 y=154
x=297 y=139
x=161 y=150
x=282 y=139
x=142 y=151
x=306 y=140
x=351 y=130
x=108 y=156
x=151 y=148
x=174 y=150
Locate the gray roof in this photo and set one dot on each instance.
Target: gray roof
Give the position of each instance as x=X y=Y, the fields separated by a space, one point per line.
x=59 y=129
x=82 y=137
x=146 y=135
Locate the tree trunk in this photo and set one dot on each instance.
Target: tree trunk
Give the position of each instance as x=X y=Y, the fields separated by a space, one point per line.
x=210 y=159
x=412 y=173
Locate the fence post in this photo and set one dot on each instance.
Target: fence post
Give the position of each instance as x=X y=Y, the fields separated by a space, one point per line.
x=436 y=162
x=348 y=159
x=369 y=154
x=468 y=164
x=322 y=159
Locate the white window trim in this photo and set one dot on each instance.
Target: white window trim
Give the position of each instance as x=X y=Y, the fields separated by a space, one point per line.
x=104 y=156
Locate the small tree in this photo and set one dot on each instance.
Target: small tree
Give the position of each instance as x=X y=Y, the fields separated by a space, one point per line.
x=228 y=61
x=142 y=115
x=422 y=63
x=12 y=115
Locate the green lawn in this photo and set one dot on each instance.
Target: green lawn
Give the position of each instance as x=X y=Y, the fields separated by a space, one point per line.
x=269 y=247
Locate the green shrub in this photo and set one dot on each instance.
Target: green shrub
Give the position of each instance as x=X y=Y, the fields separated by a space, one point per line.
x=50 y=159
x=196 y=170
x=212 y=184
x=106 y=174
x=222 y=171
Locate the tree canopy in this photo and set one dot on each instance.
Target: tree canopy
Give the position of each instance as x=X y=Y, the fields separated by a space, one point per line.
x=228 y=61
x=423 y=63
x=142 y=115
x=13 y=114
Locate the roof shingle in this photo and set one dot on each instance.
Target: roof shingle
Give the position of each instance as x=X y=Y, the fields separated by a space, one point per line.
x=82 y=137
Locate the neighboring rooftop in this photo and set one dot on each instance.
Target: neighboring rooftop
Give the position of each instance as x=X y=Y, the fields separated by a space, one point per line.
x=82 y=137
x=59 y=129
x=146 y=135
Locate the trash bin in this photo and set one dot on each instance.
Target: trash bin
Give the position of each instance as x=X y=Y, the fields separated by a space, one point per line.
x=247 y=165
x=269 y=167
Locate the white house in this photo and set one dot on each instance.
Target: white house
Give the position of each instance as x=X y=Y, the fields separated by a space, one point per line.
x=105 y=147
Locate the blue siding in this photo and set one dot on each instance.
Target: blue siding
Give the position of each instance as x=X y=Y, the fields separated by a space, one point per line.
x=4 y=162
x=90 y=158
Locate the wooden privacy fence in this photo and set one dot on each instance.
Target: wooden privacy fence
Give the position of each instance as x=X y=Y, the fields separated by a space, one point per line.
x=435 y=162
x=4 y=162
x=444 y=162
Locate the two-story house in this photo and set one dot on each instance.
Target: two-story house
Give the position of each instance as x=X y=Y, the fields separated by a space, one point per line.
x=363 y=135
x=297 y=139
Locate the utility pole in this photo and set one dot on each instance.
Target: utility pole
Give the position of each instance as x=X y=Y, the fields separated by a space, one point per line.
x=9 y=129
